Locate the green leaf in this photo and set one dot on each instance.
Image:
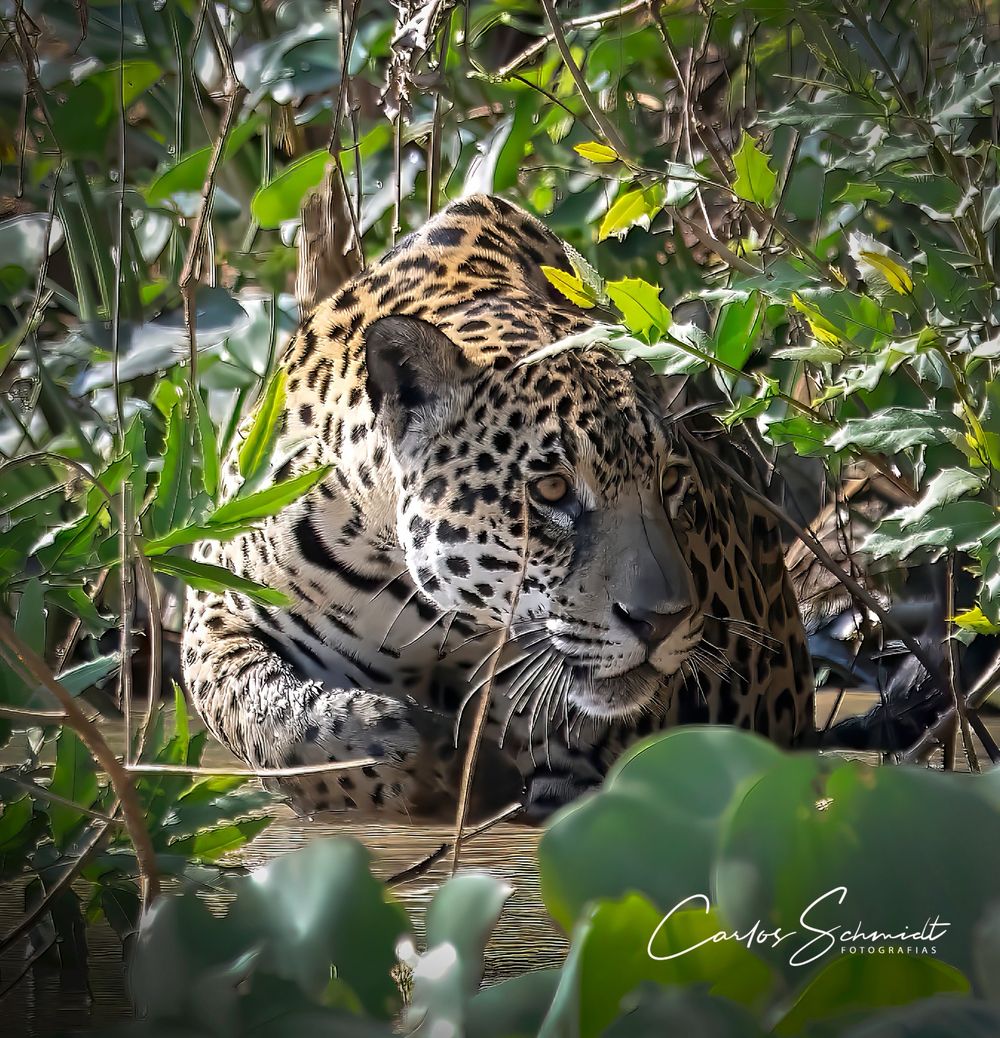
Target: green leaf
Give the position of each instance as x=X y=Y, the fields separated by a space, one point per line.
x=174 y=497
x=856 y=984
x=570 y=286
x=209 y=448
x=738 y=329
x=188 y=175
x=619 y=944
x=255 y=453
x=85 y=675
x=14 y=820
x=74 y=778
x=631 y=209
x=959 y=525
x=594 y=151
x=948 y=485
x=629 y=837
x=934 y=193
x=755 y=180
x=819 y=827
x=896 y=429
x=640 y=306
x=281 y=199
x=214 y=843
x=267 y=502
x=82 y=122
x=205 y=577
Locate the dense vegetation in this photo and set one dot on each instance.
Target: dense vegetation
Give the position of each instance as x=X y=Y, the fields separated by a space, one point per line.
x=800 y=202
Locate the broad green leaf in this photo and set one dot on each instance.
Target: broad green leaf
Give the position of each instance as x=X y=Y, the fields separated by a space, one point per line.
x=281 y=199
x=82 y=122
x=570 y=286
x=594 y=151
x=85 y=675
x=213 y=844
x=618 y=944
x=631 y=209
x=755 y=180
x=640 y=306
x=188 y=175
x=949 y=485
x=255 y=453
x=817 y=834
x=934 y=193
x=855 y=984
x=897 y=428
x=629 y=837
x=74 y=778
x=959 y=525
x=991 y=208
x=14 y=820
x=737 y=330
x=205 y=577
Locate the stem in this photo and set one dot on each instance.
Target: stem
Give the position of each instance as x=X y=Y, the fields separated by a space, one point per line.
x=25 y=660
x=479 y=724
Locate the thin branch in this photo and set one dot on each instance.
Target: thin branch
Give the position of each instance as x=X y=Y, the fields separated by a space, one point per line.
x=827 y=561
x=486 y=696
x=25 y=660
x=66 y=877
x=583 y=22
x=305 y=769
x=425 y=864
x=234 y=92
x=604 y=124
x=34 y=790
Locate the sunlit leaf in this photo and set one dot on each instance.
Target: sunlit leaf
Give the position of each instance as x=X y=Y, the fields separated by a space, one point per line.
x=594 y=151
x=570 y=286
x=640 y=306
x=631 y=209
x=755 y=180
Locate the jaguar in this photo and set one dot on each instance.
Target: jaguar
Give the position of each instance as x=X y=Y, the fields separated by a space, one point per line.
x=548 y=528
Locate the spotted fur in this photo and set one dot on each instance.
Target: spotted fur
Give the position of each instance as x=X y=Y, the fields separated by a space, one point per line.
x=652 y=593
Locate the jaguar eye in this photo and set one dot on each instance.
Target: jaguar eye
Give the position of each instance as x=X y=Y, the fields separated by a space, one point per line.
x=550 y=489
x=670 y=479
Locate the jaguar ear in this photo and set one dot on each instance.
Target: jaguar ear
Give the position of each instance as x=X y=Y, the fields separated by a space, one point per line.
x=411 y=365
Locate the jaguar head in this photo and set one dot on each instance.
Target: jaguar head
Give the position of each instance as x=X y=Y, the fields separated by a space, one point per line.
x=550 y=492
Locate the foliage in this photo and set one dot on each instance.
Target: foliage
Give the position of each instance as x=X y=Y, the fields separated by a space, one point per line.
x=797 y=202
x=321 y=964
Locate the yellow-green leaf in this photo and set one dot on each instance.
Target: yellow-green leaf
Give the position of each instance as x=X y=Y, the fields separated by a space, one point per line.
x=594 y=151
x=823 y=330
x=571 y=287
x=977 y=621
x=639 y=303
x=755 y=180
x=633 y=208
x=895 y=273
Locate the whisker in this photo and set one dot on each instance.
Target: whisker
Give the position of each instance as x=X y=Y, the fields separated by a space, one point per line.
x=395 y=619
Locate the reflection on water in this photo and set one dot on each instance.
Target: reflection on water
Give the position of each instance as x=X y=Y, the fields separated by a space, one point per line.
x=525 y=937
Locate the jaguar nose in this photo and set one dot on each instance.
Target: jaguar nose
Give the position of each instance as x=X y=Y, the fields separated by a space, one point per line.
x=648 y=626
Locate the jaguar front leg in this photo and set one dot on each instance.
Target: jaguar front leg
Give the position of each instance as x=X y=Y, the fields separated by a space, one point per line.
x=255 y=703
